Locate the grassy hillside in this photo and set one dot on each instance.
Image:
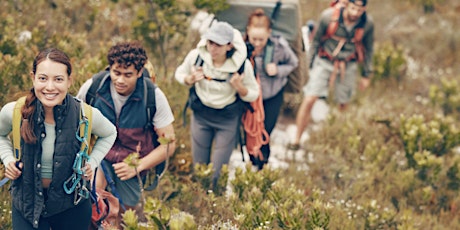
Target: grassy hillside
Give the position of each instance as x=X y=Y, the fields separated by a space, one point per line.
x=390 y=162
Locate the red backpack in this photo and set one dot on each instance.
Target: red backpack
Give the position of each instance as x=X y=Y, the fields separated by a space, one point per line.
x=330 y=34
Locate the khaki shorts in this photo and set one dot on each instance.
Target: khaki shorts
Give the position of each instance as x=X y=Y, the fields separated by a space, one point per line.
x=318 y=83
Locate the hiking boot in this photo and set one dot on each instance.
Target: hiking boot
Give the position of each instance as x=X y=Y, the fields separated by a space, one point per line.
x=294 y=147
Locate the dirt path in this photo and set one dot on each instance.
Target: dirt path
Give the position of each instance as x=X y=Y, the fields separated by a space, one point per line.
x=283 y=133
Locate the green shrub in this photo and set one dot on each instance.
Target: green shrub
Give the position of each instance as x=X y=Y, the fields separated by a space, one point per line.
x=389 y=62
x=438 y=136
x=446 y=95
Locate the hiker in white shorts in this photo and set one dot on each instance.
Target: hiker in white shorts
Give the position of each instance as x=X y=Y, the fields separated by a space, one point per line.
x=344 y=38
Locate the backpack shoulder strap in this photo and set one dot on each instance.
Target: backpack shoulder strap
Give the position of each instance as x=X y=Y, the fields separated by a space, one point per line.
x=333 y=24
x=199 y=61
x=269 y=52
x=17 y=117
x=150 y=102
x=241 y=69
x=150 y=105
x=97 y=83
x=86 y=113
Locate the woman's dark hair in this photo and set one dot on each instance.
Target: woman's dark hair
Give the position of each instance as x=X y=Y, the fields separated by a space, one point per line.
x=27 y=111
x=126 y=54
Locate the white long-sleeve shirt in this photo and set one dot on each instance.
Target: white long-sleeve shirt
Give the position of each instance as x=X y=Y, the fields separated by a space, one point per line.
x=216 y=94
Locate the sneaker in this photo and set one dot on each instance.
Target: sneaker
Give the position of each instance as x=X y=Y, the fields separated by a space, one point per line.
x=292 y=146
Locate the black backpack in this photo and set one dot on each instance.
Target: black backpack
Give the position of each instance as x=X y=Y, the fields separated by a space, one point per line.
x=149 y=93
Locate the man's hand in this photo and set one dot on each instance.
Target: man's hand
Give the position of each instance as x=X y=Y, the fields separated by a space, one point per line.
x=124 y=171
x=364 y=83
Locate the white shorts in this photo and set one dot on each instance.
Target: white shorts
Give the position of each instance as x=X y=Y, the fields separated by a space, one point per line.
x=318 y=83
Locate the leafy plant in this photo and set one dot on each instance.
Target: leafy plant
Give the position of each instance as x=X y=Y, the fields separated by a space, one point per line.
x=389 y=62
x=446 y=95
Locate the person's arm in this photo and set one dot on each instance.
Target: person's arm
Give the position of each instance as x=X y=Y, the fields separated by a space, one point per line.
x=163 y=123
x=184 y=70
x=162 y=152
x=6 y=147
x=84 y=89
x=289 y=61
x=250 y=89
x=106 y=134
x=320 y=31
x=368 y=43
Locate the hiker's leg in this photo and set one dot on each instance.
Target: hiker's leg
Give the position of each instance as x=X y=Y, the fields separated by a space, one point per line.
x=272 y=108
x=128 y=190
x=101 y=182
x=345 y=89
x=303 y=116
x=202 y=135
x=76 y=218
x=317 y=86
x=224 y=143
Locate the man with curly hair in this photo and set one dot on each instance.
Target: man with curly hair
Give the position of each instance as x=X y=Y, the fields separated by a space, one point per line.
x=122 y=97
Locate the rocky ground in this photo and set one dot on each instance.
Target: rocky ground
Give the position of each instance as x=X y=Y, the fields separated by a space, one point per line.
x=283 y=133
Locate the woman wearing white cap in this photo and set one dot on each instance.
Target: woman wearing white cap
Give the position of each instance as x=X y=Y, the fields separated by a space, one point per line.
x=221 y=78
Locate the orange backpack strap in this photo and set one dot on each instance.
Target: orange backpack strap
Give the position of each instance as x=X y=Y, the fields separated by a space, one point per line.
x=333 y=25
x=330 y=32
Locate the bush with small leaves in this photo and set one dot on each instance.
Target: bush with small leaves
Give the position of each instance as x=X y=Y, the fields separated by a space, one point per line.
x=447 y=96
x=389 y=62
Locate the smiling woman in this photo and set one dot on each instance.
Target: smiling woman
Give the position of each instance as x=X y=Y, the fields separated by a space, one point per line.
x=51 y=79
x=49 y=121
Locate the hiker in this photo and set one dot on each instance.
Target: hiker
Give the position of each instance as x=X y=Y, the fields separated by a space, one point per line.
x=217 y=91
x=334 y=59
x=273 y=61
x=339 y=3
x=121 y=96
x=49 y=121
x=309 y=29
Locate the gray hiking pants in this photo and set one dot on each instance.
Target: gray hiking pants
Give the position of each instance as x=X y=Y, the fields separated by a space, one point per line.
x=216 y=133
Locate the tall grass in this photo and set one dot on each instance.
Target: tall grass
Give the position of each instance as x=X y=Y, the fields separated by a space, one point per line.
x=368 y=168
